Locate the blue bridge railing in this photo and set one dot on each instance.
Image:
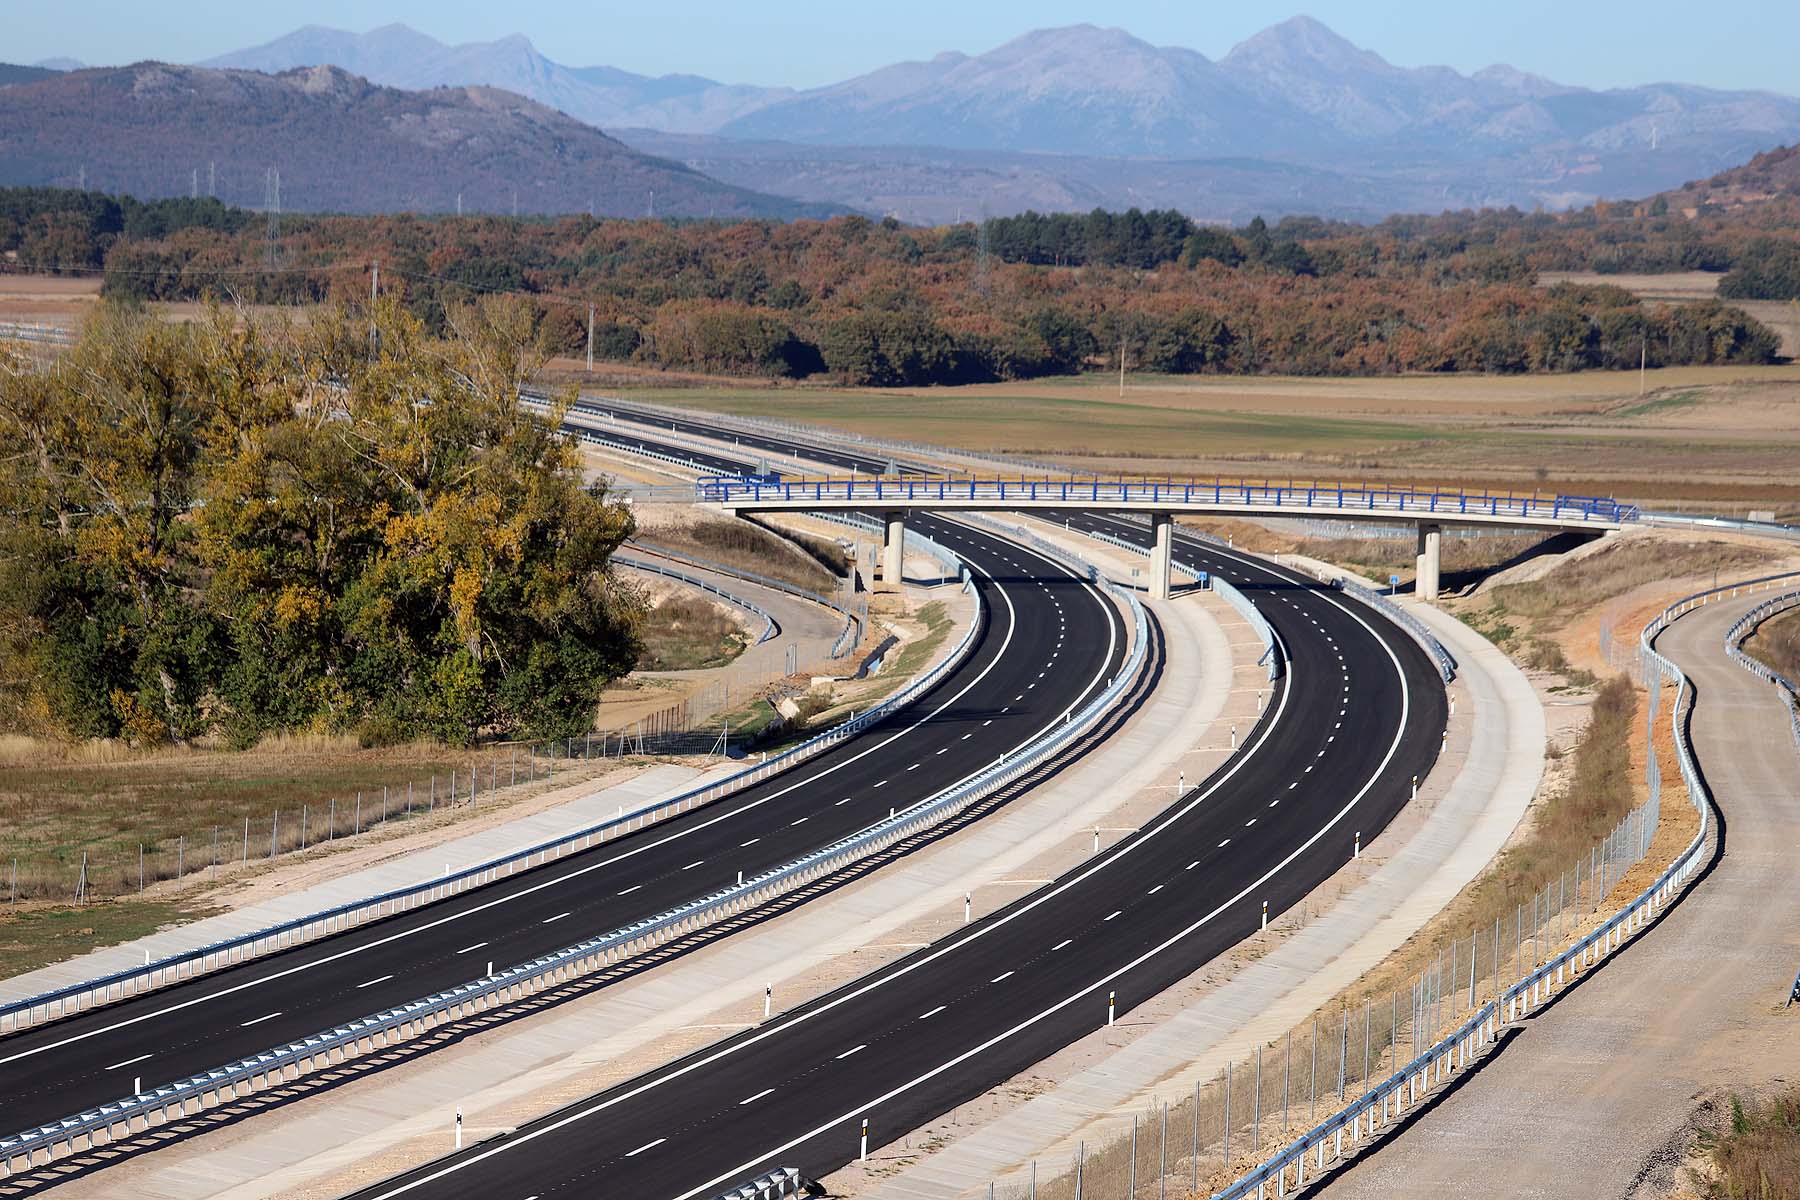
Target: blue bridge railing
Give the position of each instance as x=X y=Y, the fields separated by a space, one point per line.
x=1342 y=498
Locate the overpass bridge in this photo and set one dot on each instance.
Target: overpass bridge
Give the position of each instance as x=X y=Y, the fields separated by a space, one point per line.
x=1431 y=511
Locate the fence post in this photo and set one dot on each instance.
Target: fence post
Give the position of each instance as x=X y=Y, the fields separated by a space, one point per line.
x=1256 y=1108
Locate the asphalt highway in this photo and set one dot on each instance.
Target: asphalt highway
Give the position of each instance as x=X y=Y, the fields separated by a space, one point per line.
x=1357 y=715
x=1050 y=641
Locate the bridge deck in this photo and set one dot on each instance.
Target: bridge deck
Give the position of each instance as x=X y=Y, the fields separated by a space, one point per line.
x=1350 y=502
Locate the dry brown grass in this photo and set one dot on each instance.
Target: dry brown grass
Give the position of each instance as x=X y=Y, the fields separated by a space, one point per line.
x=687 y=633
x=1757 y=1157
x=1720 y=438
x=1550 y=858
x=1581 y=586
x=59 y=802
x=744 y=546
x=1777 y=644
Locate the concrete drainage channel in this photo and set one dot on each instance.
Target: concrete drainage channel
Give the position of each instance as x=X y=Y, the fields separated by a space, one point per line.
x=1379 y=1111
x=380 y=1031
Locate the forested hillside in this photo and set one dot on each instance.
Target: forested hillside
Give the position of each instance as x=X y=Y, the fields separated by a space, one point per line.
x=881 y=303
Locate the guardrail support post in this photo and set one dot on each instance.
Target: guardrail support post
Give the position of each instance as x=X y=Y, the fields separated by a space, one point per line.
x=1161 y=554
x=1430 y=544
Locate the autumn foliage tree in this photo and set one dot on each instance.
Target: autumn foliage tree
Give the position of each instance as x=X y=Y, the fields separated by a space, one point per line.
x=242 y=526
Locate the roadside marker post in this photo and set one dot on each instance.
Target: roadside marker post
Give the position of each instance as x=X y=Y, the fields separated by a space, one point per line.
x=862 y=1154
x=1265 y=914
x=768 y=999
x=968 y=906
x=459 y=1127
x=1358 y=852
x=1112 y=1003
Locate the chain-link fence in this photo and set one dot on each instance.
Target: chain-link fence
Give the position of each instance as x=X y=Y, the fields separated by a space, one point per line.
x=1197 y=1143
x=108 y=871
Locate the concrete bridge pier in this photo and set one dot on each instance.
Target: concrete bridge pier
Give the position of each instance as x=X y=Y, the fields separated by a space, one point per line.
x=1161 y=554
x=893 y=550
x=1431 y=538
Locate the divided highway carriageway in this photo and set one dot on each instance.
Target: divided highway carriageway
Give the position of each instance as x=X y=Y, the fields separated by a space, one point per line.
x=1358 y=712
x=1050 y=642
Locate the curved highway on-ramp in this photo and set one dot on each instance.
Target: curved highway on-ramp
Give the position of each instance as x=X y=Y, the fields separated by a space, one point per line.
x=1050 y=642
x=1357 y=715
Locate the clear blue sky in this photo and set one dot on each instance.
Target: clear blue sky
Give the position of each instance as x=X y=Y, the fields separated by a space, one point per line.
x=1599 y=43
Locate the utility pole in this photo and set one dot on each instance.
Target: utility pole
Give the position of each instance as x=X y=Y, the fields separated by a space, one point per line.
x=981 y=256
x=1643 y=359
x=212 y=179
x=652 y=212
x=590 y=340
x=1121 y=364
x=194 y=187
x=459 y=204
x=272 y=204
x=515 y=202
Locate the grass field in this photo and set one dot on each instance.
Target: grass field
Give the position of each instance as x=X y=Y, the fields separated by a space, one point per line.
x=688 y=633
x=1720 y=438
x=1777 y=644
x=57 y=804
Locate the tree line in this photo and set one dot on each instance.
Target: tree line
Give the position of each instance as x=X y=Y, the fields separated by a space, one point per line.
x=880 y=304
x=242 y=525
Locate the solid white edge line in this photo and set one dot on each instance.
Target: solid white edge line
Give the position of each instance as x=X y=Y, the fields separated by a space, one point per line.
x=1006 y=641
x=1113 y=854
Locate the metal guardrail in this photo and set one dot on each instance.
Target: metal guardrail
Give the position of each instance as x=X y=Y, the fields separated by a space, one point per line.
x=1396 y=501
x=769 y=625
x=819 y=435
x=80 y=997
x=1271 y=644
x=383 y=1029
x=1325 y=1143
x=28 y=331
x=851 y=619
x=1690 y=520
x=1446 y=662
x=1734 y=649
x=1271 y=655
x=771 y=1185
x=598 y=439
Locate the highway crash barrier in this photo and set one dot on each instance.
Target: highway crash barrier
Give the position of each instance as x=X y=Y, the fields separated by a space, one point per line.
x=1440 y=656
x=280 y=1064
x=40 y=1009
x=1312 y=1153
x=1734 y=649
x=852 y=620
x=769 y=626
x=1271 y=657
x=772 y=1185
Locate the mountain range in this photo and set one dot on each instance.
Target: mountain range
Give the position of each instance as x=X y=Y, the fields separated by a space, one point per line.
x=1294 y=119
x=341 y=143
x=401 y=57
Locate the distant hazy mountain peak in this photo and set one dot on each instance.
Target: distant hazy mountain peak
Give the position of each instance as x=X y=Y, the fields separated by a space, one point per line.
x=1303 y=41
x=1523 y=82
